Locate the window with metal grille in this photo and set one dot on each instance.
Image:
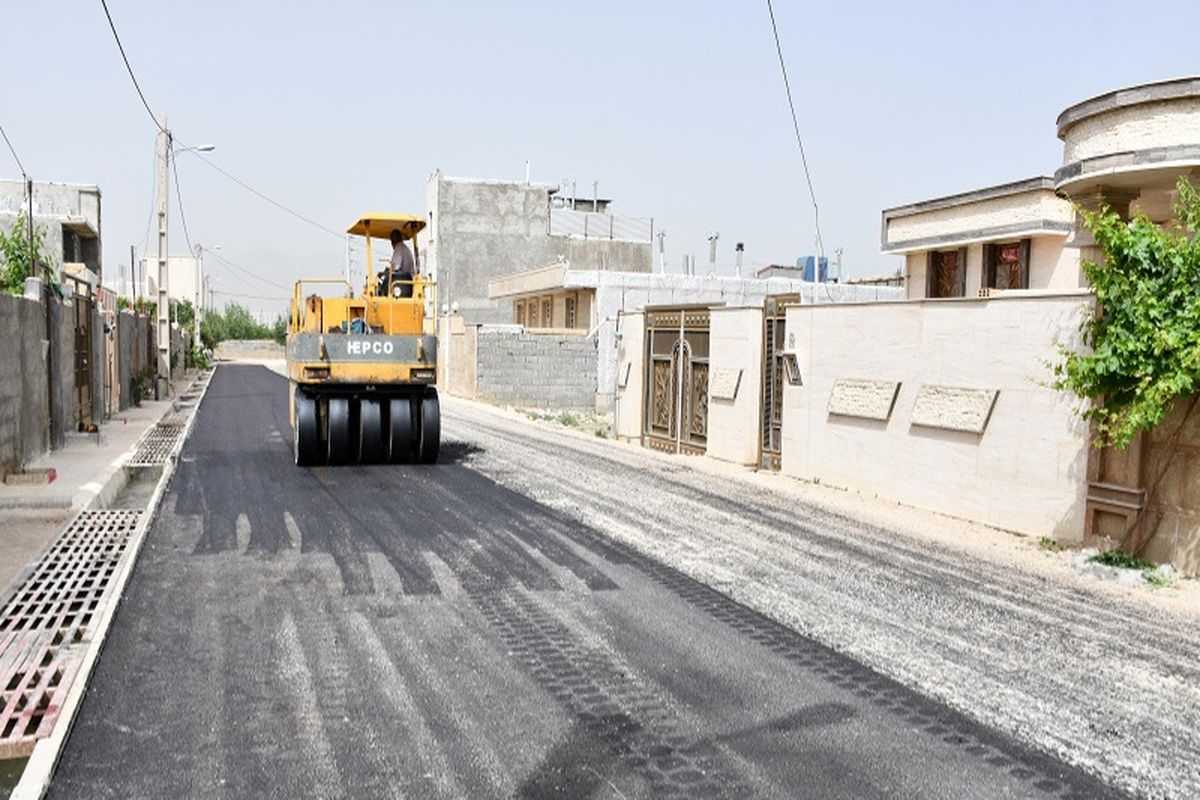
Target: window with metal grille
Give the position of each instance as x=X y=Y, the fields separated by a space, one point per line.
x=570 y=309
x=547 y=313
x=946 y=273
x=1006 y=265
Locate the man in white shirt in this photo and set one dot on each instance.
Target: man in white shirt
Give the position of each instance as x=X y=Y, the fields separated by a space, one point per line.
x=402 y=267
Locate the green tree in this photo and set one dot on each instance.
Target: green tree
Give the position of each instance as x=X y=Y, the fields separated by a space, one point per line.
x=1142 y=347
x=15 y=251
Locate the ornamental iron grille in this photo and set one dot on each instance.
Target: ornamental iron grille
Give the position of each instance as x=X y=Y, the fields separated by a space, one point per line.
x=947 y=274
x=676 y=401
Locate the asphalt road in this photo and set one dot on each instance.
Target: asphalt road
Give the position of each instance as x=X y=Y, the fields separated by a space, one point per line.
x=427 y=632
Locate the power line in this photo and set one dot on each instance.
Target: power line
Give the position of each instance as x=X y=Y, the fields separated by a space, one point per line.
x=13 y=150
x=179 y=199
x=796 y=126
x=129 y=68
x=250 y=296
x=247 y=272
x=270 y=200
x=112 y=26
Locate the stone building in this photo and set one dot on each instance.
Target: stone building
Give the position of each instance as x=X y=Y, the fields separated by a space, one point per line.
x=942 y=400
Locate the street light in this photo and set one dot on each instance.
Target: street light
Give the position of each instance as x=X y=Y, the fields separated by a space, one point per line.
x=200 y=148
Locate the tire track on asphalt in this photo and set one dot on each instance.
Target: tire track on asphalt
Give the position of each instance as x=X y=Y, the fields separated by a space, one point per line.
x=538 y=460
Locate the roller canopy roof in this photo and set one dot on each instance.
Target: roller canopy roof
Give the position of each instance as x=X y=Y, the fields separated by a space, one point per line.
x=380 y=226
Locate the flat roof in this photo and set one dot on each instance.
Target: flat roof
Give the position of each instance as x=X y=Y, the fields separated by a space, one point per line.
x=974 y=196
x=1157 y=91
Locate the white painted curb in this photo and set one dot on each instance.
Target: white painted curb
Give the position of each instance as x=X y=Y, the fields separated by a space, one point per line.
x=35 y=781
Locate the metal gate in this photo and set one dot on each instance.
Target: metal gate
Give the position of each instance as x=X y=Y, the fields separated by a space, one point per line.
x=774 y=344
x=83 y=359
x=676 y=401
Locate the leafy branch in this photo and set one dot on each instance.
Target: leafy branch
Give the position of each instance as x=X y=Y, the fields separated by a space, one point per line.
x=1142 y=347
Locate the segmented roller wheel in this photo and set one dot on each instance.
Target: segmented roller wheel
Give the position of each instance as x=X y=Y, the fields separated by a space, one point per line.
x=306 y=433
x=431 y=430
x=342 y=437
x=400 y=429
x=372 y=446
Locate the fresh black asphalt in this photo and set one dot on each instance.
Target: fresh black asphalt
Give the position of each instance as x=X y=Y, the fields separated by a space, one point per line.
x=406 y=631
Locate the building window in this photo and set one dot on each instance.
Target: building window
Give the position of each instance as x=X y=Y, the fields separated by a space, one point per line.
x=532 y=309
x=519 y=315
x=946 y=273
x=570 y=307
x=547 y=313
x=1006 y=265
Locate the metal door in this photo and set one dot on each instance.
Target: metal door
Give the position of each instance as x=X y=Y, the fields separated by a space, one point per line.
x=677 y=380
x=771 y=417
x=83 y=360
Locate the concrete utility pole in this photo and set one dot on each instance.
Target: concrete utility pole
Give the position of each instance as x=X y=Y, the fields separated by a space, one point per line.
x=712 y=252
x=162 y=154
x=198 y=295
x=662 y=255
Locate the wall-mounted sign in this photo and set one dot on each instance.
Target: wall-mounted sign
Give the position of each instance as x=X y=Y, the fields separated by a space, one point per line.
x=953 y=408
x=863 y=399
x=724 y=382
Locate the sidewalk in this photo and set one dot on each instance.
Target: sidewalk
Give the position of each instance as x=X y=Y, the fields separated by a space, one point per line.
x=88 y=467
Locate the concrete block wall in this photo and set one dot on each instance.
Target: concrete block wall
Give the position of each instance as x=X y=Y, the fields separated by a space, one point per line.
x=25 y=412
x=535 y=370
x=135 y=350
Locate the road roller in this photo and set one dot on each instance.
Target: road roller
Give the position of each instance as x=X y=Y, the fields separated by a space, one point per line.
x=362 y=365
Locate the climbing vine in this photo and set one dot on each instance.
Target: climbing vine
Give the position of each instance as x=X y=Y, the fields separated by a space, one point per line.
x=1142 y=346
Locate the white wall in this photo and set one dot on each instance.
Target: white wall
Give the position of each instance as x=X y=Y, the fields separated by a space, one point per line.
x=1026 y=472
x=630 y=351
x=1053 y=265
x=631 y=291
x=735 y=343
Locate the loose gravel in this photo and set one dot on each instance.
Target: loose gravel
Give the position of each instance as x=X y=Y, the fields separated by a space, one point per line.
x=1104 y=677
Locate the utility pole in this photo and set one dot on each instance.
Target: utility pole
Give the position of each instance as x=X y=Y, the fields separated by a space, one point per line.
x=662 y=256
x=712 y=252
x=163 y=154
x=198 y=295
x=837 y=254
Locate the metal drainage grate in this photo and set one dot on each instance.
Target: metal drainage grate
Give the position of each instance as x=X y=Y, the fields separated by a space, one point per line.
x=46 y=624
x=155 y=447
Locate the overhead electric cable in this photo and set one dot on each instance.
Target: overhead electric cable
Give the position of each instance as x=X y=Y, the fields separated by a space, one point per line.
x=13 y=150
x=112 y=26
x=796 y=126
x=264 y=197
x=129 y=68
x=223 y=260
x=249 y=296
x=182 y=217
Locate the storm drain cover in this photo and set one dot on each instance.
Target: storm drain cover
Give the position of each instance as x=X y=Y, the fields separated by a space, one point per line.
x=156 y=446
x=47 y=623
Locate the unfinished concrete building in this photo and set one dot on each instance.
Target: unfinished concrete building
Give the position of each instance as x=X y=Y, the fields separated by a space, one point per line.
x=480 y=230
x=69 y=216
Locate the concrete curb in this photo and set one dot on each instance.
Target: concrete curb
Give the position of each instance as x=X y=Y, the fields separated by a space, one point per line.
x=35 y=780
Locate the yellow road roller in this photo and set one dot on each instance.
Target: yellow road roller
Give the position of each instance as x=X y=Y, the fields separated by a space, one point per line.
x=362 y=365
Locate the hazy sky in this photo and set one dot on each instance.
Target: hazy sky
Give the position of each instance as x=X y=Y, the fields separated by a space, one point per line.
x=677 y=108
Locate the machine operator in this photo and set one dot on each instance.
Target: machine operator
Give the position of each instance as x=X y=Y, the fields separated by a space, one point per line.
x=401 y=268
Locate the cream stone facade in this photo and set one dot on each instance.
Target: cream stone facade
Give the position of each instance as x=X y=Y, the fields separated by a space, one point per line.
x=974 y=229
x=946 y=404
